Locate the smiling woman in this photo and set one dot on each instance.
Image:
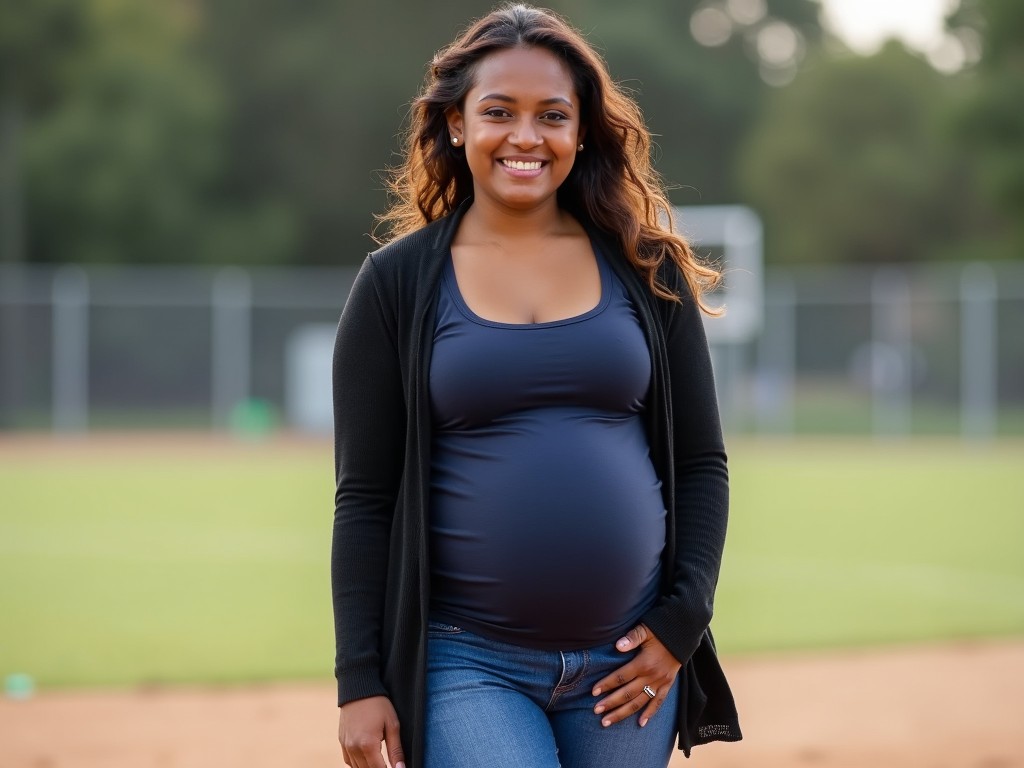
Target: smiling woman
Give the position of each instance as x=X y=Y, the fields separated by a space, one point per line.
x=532 y=489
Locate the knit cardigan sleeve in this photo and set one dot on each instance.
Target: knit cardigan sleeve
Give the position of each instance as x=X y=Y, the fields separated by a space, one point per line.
x=701 y=478
x=369 y=444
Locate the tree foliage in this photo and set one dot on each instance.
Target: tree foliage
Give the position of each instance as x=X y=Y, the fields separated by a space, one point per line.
x=990 y=122
x=124 y=162
x=232 y=131
x=883 y=159
x=850 y=162
x=229 y=131
x=38 y=42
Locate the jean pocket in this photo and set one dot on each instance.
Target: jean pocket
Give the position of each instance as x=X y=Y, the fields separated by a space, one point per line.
x=439 y=627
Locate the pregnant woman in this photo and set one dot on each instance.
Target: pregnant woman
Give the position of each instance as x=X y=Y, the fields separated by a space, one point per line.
x=532 y=488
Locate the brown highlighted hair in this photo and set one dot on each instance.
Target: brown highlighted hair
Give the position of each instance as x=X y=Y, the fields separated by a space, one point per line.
x=612 y=183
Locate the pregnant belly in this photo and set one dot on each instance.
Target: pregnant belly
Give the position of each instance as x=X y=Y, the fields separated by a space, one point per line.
x=555 y=539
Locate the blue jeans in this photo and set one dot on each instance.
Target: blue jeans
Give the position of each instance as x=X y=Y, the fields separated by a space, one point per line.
x=495 y=705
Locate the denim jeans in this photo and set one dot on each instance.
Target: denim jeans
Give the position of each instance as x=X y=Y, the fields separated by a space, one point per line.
x=492 y=704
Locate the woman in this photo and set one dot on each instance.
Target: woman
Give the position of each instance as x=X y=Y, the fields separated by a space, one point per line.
x=532 y=488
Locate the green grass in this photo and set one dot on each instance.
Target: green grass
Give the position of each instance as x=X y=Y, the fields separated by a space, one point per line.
x=125 y=567
x=157 y=568
x=852 y=543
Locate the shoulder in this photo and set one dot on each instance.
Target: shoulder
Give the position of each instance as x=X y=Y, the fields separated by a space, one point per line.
x=406 y=268
x=668 y=273
x=404 y=253
x=671 y=276
x=404 y=273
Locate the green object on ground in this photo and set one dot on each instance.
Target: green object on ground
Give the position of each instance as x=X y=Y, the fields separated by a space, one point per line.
x=253 y=418
x=19 y=686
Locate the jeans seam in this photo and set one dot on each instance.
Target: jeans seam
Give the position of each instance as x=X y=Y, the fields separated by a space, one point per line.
x=560 y=688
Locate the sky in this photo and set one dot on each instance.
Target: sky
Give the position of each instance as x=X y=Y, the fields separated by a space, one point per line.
x=865 y=24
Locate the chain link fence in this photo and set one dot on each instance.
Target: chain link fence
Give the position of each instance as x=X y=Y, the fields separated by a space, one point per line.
x=900 y=350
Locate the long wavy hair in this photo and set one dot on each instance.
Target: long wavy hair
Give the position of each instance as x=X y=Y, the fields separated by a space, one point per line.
x=612 y=183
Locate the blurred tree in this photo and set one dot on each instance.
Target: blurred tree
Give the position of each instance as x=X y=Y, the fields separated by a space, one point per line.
x=990 y=123
x=700 y=71
x=232 y=132
x=852 y=162
x=124 y=165
x=316 y=99
x=38 y=41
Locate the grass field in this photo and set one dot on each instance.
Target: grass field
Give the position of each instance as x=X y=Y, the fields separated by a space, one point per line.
x=164 y=563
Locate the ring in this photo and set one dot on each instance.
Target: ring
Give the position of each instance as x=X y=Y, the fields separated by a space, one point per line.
x=650 y=691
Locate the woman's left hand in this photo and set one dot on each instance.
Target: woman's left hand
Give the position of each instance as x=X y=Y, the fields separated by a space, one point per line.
x=652 y=667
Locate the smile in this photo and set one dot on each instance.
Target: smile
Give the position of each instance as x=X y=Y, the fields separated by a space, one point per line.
x=519 y=165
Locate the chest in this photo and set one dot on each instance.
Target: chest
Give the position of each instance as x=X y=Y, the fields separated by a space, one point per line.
x=482 y=371
x=545 y=282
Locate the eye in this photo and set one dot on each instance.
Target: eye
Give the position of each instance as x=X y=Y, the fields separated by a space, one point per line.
x=496 y=112
x=554 y=116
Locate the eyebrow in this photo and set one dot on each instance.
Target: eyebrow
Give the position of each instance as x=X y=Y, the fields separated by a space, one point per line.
x=510 y=100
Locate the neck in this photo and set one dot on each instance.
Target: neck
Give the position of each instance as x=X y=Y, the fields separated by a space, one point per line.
x=489 y=221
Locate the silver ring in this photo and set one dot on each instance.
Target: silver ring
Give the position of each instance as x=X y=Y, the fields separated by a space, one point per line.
x=650 y=691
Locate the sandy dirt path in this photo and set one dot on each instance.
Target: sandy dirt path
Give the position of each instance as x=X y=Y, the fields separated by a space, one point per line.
x=956 y=706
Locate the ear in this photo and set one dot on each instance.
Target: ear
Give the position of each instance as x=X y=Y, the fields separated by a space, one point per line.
x=455 y=122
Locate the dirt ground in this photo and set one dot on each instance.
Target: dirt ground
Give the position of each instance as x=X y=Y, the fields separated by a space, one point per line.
x=947 y=706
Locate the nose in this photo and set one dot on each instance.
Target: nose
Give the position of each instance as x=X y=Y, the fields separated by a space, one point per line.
x=525 y=135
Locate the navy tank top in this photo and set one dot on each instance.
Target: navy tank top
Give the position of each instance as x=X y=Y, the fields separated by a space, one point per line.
x=546 y=517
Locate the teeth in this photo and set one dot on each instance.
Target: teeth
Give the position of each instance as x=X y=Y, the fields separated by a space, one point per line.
x=519 y=165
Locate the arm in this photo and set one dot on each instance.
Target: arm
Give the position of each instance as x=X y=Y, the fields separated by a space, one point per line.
x=369 y=446
x=670 y=632
x=701 y=481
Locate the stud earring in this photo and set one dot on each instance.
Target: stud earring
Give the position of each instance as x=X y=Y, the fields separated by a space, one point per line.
x=455 y=140
x=579 y=148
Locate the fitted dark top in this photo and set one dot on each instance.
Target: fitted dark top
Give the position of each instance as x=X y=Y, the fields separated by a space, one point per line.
x=547 y=521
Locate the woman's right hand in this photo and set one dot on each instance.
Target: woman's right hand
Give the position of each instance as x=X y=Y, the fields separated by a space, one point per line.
x=362 y=725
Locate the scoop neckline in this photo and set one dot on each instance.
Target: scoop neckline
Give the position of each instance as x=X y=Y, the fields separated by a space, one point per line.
x=456 y=293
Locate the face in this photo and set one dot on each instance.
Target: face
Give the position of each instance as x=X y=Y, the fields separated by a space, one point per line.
x=519 y=127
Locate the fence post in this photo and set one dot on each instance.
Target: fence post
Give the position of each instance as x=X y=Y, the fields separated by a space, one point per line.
x=978 y=357
x=70 y=350
x=232 y=337
x=12 y=256
x=776 y=359
x=891 y=373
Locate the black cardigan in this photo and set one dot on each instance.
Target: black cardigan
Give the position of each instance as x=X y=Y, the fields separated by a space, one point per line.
x=382 y=435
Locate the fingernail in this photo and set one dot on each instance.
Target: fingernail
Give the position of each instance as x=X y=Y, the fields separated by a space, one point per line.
x=623 y=643
x=399 y=765
x=597 y=692
x=598 y=710
x=606 y=722
x=643 y=722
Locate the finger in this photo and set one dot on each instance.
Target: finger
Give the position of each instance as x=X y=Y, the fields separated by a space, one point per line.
x=621 y=696
x=632 y=698
x=655 y=704
x=636 y=637
x=627 y=701
x=620 y=677
x=361 y=753
x=393 y=744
